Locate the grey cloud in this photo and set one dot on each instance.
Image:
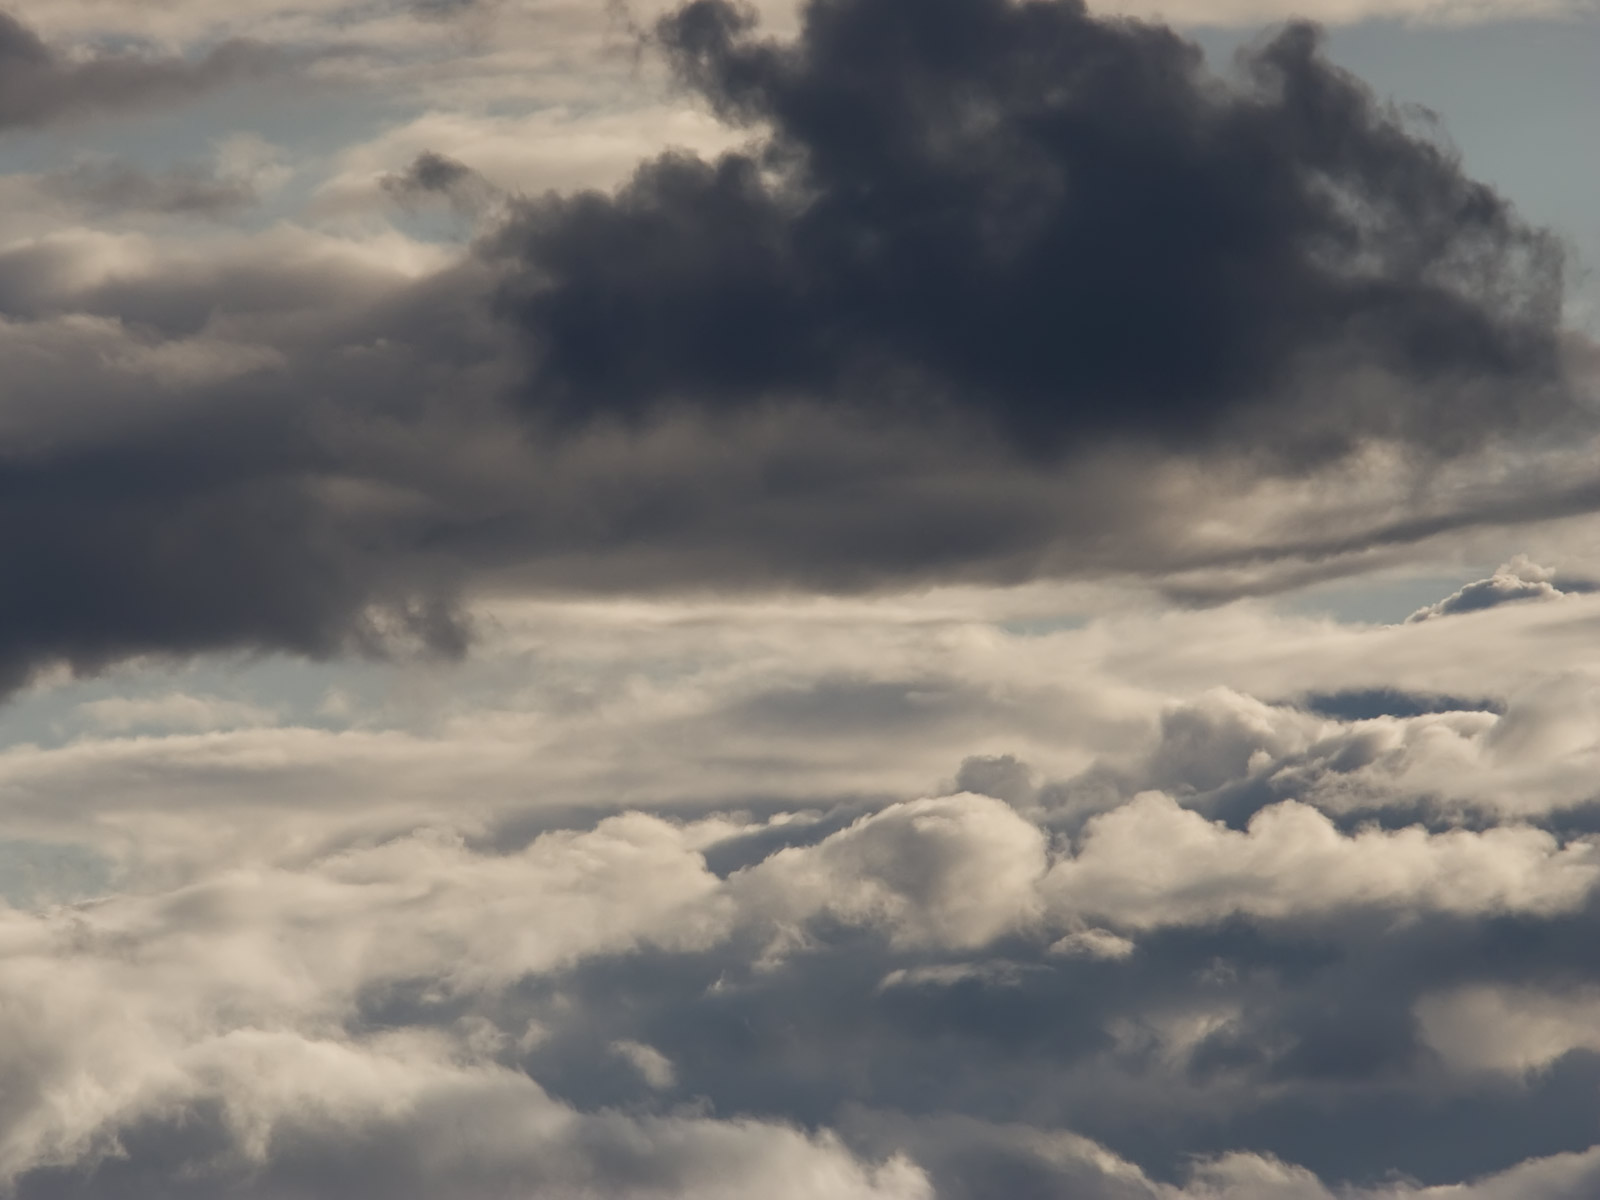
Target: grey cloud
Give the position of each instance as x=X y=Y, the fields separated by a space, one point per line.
x=283 y=450
x=435 y=175
x=185 y=474
x=444 y=1010
x=1049 y=226
x=367 y=962
x=1001 y=776
x=39 y=83
x=113 y=188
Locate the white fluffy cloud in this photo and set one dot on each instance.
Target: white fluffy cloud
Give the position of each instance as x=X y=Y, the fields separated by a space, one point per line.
x=690 y=879
x=1151 y=863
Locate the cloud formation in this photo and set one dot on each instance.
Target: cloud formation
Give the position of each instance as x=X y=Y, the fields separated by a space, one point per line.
x=39 y=84
x=1051 y=225
x=1517 y=580
x=506 y=691
x=585 y=927
x=1051 y=300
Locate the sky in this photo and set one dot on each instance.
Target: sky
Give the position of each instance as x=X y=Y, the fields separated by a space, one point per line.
x=871 y=600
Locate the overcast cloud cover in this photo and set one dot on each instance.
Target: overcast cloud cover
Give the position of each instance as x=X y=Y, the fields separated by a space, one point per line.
x=890 y=598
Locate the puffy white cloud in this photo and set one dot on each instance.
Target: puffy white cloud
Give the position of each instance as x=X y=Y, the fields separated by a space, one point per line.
x=498 y=887
x=1519 y=579
x=1151 y=863
x=954 y=871
x=407 y=1117
x=1496 y=1027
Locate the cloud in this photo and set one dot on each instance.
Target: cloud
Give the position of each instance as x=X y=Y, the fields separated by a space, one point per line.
x=558 y=918
x=1518 y=579
x=991 y=214
x=1151 y=862
x=953 y=871
x=42 y=84
x=110 y=188
x=664 y=801
x=208 y=522
x=654 y=1066
x=176 y=710
x=258 y=1111
x=434 y=175
x=1485 y=1027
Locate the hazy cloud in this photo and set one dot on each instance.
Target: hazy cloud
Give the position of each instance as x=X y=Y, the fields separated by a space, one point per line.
x=39 y=83
x=434 y=175
x=113 y=188
x=765 y=370
x=674 y=691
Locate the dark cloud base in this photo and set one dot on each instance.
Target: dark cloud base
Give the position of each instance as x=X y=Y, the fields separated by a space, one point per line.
x=987 y=280
x=1060 y=226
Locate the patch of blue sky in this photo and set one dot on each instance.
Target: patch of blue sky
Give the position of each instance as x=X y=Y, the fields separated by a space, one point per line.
x=278 y=690
x=37 y=874
x=1375 y=600
x=308 y=127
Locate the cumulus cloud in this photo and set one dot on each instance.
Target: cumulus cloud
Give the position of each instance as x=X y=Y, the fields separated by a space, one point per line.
x=1151 y=862
x=1518 y=579
x=660 y=798
x=956 y=871
x=585 y=928
x=992 y=212
x=437 y=175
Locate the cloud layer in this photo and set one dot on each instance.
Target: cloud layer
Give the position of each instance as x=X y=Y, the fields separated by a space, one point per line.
x=605 y=923
x=668 y=603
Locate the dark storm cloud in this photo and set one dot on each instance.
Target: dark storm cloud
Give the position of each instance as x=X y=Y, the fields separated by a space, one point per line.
x=110 y=188
x=956 y=214
x=215 y=505
x=429 y=172
x=39 y=83
x=1063 y=225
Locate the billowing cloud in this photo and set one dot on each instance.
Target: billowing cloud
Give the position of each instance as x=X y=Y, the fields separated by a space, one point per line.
x=658 y=797
x=995 y=213
x=629 y=910
x=908 y=345
x=1516 y=580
